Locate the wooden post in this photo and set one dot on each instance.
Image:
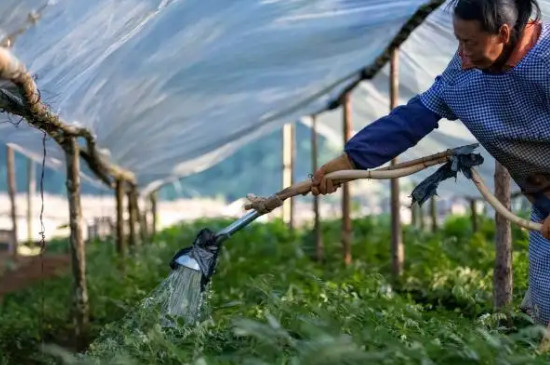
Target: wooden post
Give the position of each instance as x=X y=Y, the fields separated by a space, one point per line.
x=397 y=249
x=140 y=220
x=144 y=225
x=288 y=172
x=503 y=275
x=292 y=177
x=433 y=213
x=473 y=208
x=346 y=195
x=10 y=157
x=31 y=188
x=120 y=239
x=421 y=220
x=78 y=254
x=319 y=247
x=154 y=198
x=132 y=218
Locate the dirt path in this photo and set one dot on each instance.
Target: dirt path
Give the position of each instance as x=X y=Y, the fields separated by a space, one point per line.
x=30 y=270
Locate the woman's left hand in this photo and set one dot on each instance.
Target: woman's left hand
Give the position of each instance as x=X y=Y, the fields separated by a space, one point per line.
x=545 y=230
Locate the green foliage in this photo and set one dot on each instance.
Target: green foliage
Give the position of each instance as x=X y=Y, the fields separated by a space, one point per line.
x=270 y=303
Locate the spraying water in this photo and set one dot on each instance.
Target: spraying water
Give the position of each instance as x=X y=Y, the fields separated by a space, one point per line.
x=178 y=296
x=185 y=294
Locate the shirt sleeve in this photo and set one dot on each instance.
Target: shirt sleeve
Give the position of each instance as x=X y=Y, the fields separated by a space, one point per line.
x=406 y=125
x=434 y=97
x=391 y=135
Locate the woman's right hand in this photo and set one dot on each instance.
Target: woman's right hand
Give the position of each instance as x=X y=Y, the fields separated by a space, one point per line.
x=322 y=185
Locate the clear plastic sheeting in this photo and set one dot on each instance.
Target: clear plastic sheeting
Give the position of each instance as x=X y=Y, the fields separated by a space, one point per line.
x=15 y=14
x=171 y=87
x=423 y=56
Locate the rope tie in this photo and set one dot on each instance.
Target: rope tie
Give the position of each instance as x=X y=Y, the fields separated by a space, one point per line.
x=263 y=205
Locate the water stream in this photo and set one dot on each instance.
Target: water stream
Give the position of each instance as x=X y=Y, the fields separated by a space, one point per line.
x=178 y=296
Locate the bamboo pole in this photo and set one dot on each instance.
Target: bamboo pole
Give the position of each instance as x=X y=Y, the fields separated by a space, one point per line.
x=144 y=225
x=140 y=220
x=319 y=246
x=433 y=213
x=132 y=218
x=266 y=205
x=78 y=255
x=421 y=219
x=31 y=188
x=397 y=249
x=10 y=162
x=503 y=275
x=346 y=194
x=473 y=209
x=414 y=215
x=120 y=239
x=292 y=174
x=154 y=197
x=288 y=176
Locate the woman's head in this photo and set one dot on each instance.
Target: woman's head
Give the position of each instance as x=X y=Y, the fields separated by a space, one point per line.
x=485 y=28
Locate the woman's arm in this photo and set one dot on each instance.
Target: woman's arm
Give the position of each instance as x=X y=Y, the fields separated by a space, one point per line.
x=391 y=135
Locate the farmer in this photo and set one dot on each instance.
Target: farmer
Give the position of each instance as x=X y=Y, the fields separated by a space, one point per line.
x=498 y=85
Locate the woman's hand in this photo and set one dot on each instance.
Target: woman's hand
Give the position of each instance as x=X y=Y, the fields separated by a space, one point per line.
x=322 y=185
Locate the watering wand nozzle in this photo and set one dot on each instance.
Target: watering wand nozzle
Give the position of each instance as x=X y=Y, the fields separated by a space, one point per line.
x=201 y=255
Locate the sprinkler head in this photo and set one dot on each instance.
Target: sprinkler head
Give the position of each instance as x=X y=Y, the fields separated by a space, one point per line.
x=201 y=256
x=186 y=261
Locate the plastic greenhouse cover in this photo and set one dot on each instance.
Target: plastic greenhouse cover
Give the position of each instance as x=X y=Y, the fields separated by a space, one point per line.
x=171 y=87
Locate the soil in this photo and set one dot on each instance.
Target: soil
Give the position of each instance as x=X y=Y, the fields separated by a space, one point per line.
x=28 y=270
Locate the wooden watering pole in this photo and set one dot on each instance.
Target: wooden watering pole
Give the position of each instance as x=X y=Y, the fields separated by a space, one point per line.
x=10 y=164
x=503 y=274
x=397 y=249
x=346 y=194
x=319 y=247
x=78 y=254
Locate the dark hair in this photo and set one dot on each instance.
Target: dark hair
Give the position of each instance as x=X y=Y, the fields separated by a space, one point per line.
x=493 y=14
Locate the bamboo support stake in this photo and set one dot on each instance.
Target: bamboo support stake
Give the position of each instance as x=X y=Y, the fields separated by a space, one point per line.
x=120 y=238
x=433 y=213
x=473 y=209
x=319 y=246
x=140 y=219
x=144 y=225
x=78 y=254
x=132 y=217
x=503 y=275
x=154 y=197
x=414 y=215
x=421 y=218
x=346 y=194
x=288 y=171
x=10 y=162
x=397 y=249
x=31 y=188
